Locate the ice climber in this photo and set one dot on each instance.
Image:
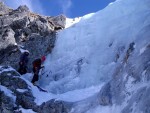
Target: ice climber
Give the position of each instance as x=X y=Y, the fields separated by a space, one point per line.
x=23 y=62
x=37 y=65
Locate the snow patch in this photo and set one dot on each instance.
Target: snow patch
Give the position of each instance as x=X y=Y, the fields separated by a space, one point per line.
x=26 y=110
x=5 y=69
x=87 y=16
x=70 y=21
x=105 y=109
x=142 y=50
x=22 y=90
x=28 y=76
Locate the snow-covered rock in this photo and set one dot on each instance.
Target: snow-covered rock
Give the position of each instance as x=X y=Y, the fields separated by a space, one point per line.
x=18 y=94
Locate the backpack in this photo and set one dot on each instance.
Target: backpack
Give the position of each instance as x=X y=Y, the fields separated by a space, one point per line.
x=36 y=63
x=23 y=59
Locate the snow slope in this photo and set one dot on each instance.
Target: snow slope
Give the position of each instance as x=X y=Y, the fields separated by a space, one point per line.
x=78 y=95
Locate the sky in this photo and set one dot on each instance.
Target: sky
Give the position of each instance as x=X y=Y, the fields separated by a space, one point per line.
x=70 y=8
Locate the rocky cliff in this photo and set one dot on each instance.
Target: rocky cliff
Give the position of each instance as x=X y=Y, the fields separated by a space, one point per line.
x=22 y=29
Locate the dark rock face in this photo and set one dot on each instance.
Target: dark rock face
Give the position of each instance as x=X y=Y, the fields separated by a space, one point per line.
x=53 y=106
x=12 y=81
x=23 y=8
x=19 y=24
x=20 y=28
x=105 y=96
x=6 y=103
x=59 y=21
x=26 y=100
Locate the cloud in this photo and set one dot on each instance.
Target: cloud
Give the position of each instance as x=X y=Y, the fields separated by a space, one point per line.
x=65 y=6
x=34 y=5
